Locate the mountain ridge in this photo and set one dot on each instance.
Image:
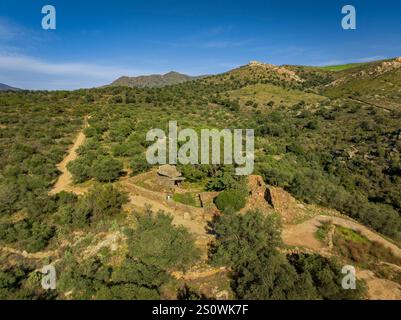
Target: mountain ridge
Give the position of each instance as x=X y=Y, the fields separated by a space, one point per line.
x=5 y=87
x=154 y=80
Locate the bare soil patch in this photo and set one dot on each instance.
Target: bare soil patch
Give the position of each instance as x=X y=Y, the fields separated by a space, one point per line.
x=64 y=182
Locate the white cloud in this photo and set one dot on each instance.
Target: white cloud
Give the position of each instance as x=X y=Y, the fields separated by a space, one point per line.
x=24 y=63
x=32 y=73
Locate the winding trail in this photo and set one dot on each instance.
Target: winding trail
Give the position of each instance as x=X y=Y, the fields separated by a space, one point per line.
x=64 y=181
x=303 y=234
x=28 y=255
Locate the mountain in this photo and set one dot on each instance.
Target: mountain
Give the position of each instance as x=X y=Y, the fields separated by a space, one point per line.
x=256 y=72
x=154 y=80
x=4 y=87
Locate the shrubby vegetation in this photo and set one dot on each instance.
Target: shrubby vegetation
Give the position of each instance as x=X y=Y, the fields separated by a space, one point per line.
x=331 y=151
x=99 y=204
x=231 y=200
x=94 y=162
x=20 y=283
x=219 y=178
x=155 y=247
x=249 y=244
x=340 y=166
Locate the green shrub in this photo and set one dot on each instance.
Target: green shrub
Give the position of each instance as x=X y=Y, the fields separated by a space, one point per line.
x=80 y=169
x=158 y=243
x=98 y=204
x=106 y=169
x=139 y=164
x=231 y=200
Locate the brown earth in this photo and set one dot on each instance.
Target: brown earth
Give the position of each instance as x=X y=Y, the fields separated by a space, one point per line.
x=64 y=182
x=257 y=193
x=303 y=234
x=379 y=289
x=192 y=218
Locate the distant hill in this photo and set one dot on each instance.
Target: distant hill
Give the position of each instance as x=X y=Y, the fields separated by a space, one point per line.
x=256 y=72
x=342 y=67
x=155 y=80
x=4 y=87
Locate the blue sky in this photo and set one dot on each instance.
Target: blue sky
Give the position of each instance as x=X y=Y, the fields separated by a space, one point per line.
x=97 y=41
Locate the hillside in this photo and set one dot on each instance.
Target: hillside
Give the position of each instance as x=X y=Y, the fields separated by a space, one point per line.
x=256 y=72
x=153 y=81
x=77 y=191
x=376 y=83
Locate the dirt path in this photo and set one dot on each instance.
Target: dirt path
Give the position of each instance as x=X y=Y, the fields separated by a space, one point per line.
x=35 y=255
x=194 y=275
x=379 y=289
x=64 y=181
x=303 y=234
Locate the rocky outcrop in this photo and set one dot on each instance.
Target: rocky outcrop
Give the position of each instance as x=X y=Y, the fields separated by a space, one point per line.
x=256 y=199
x=285 y=204
x=278 y=69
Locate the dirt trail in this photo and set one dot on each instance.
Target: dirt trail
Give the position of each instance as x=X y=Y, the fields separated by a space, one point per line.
x=35 y=255
x=380 y=289
x=194 y=275
x=64 y=181
x=303 y=234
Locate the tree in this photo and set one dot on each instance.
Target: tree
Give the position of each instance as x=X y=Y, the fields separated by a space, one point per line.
x=80 y=169
x=106 y=168
x=155 y=248
x=139 y=164
x=240 y=237
x=326 y=277
x=157 y=242
x=248 y=244
x=99 y=203
x=231 y=200
x=267 y=277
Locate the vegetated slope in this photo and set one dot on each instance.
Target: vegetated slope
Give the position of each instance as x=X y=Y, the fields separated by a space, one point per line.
x=341 y=67
x=152 y=81
x=4 y=87
x=253 y=73
x=376 y=83
x=313 y=77
x=271 y=96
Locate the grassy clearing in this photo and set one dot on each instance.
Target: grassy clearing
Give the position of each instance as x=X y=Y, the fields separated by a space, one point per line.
x=359 y=250
x=322 y=232
x=351 y=235
x=188 y=198
x=272 y=96
x=341 y=67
